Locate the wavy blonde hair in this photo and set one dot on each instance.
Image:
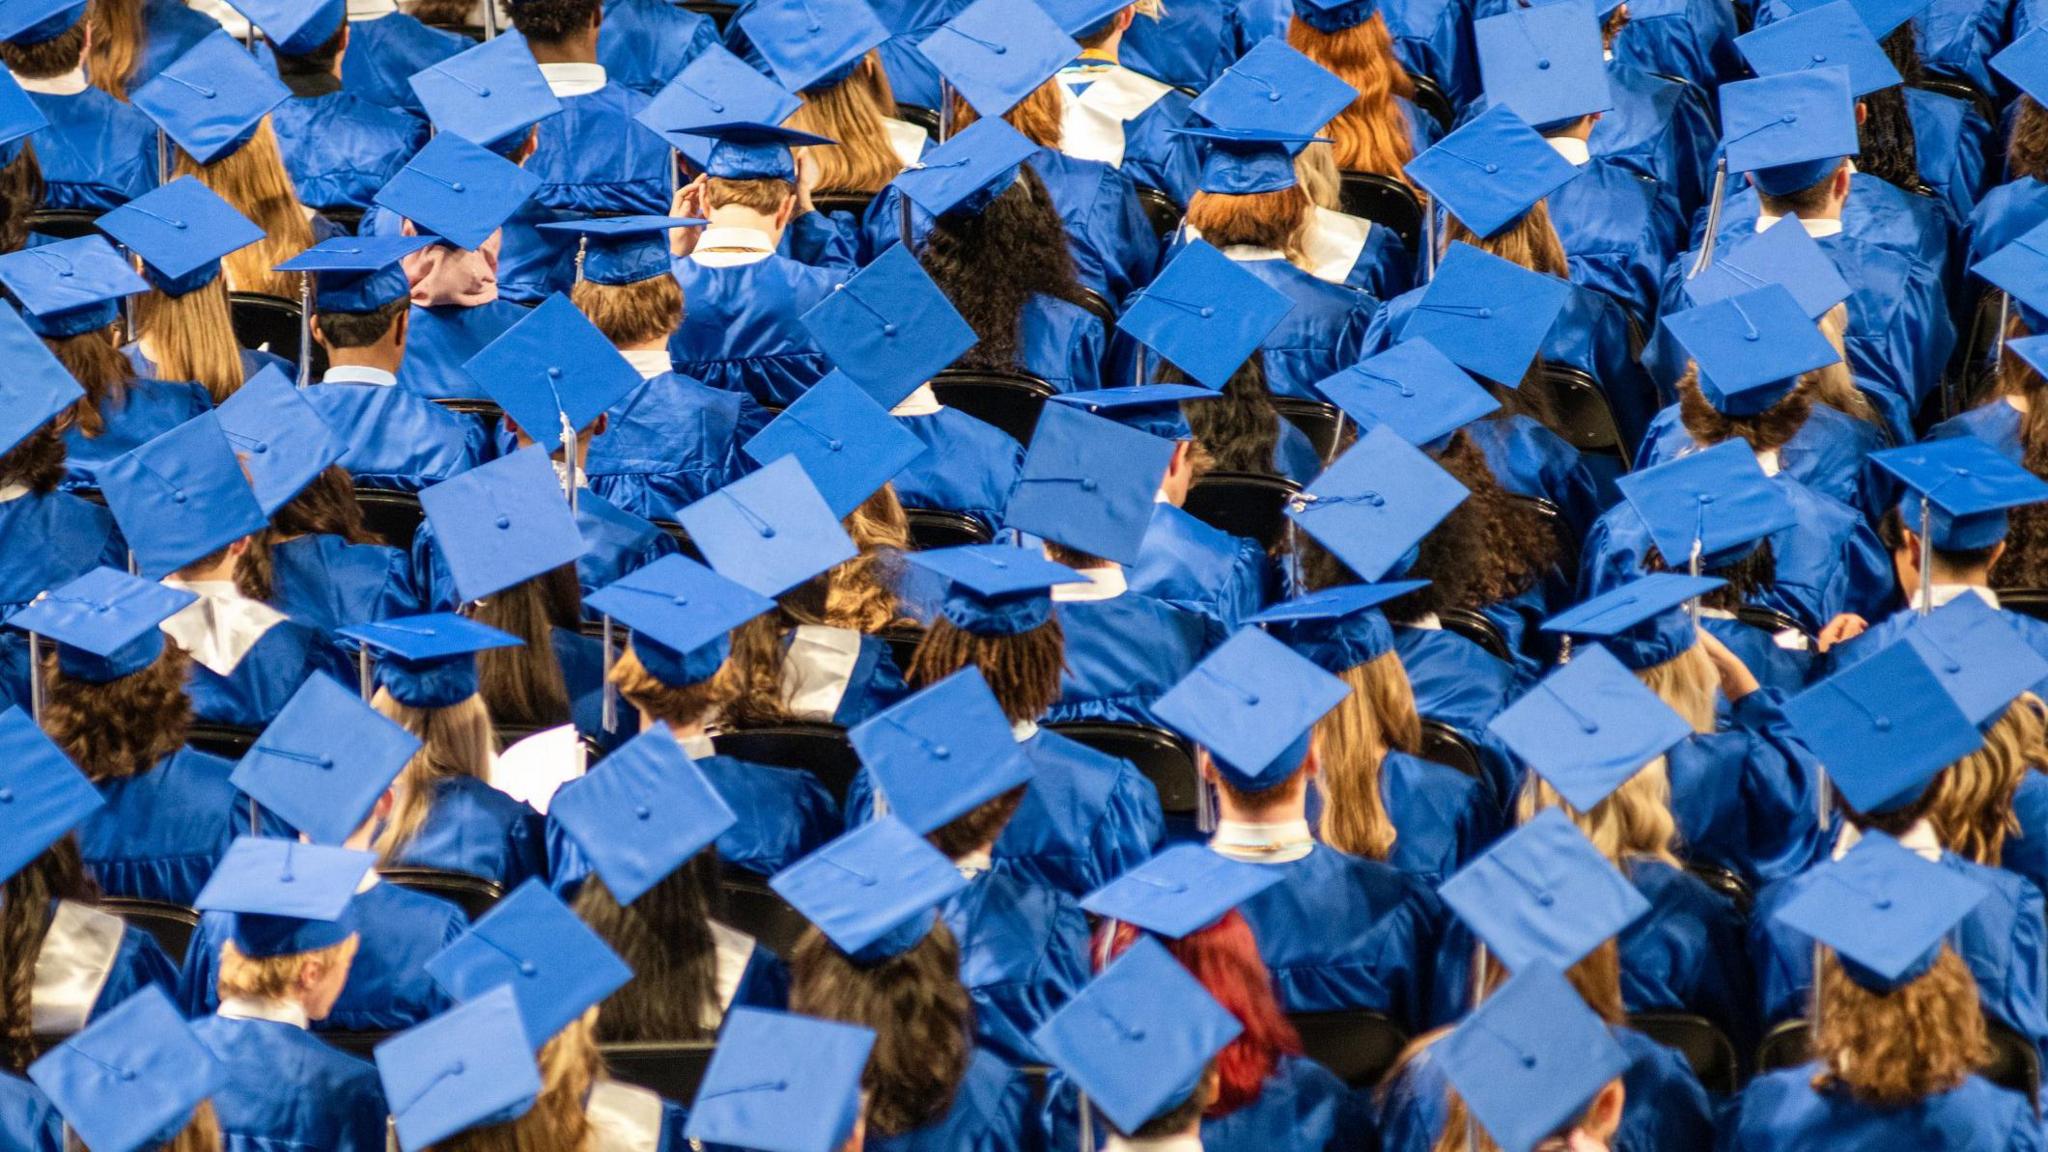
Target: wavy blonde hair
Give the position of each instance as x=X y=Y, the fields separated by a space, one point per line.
x=1893 y=1049
x=570 y=1065
x=1037 y=116
x=1531 y=241
x=1633 y=821
x=1970 y=802
x=1372 y=134
x=1315 y=169
x=454 y=741
x=1378 y=717
x=275 y=977
x=851 y=112
x=861 y=593
x=253 y=179
x=1687 y=683
x=192 y=337
x=1835 y=385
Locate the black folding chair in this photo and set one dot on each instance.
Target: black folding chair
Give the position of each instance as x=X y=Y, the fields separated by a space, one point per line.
x=396 y=516
x=270 y=324
x=1384 y=201
x=932 y=528
x=1010 y=401
x=1160 y=209
x=1099 y=308
x=1447 y=746
x=1164 y=758
x=170 y=925
x=64 y=223
x=1584 y=417
x=1478 y=629
x=1726 y=882
x=473 y=894
x=2029 y=601
x=361 y=1045
x=854 y=202
x=1771 y=620
x=1962 y=90
x=925 y=118
x=348 y=219
x=1431 y=99
x=1360 y=1047
x=754 y=908
x=820 y=749
x=902 y=644
x=483 y=412
x=671 y=1069
x=1704 y=1046
x=720 y=13
x=223 y=740
x=1245 y=504
x=1319 y=421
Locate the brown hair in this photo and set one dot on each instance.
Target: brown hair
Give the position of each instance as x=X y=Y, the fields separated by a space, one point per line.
x=94 y=360
x=569 y=1065
x=634 y=313
x=1490 y=548
x=120 y=729
x=972 y=829
x=763 y=196
x=523 y=684
x=2026 y=154
x=21 y=193
x=253 y=179
x=200 y=1134
x=1801 y=202
x=52 y=57
x=669 y=704
x=861 y=593
x=851 y=112
x=1038 y=116
x=552 y=21
x=1531 y=241
x=759 y=654
x=359 y=329
x=1378 y=717
x=664 y=936
x=327 y=506
x=1835 y=384
x=993 y=262
x=1970 y=802
x=1766 y=431
x=117 y=32
x=273 y=977
x=37 y=463
x=1274 y=220
x=1237 y=431
x=1022 y=670
x=1373 y=133
x=1893 y=1049
x=454 y=741
x=192 y=337
x=25 y=900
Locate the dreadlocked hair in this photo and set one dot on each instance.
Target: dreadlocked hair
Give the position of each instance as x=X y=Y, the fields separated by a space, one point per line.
x=992 y=263
x=1037 y=116
x=1239 y=429
x=94 y=360
x=1372 y=133
x=1490 y=548
x=1970 y=801
x=116 y=47
x=253 y=179
x=569 y=1065
x=854 y=112
x=123 y=728
x=861 y=593
x=522 y=685
x=25 y=900
x=1893 y=1049
x=192 y=337
x=1531 y=241
x=1022 y=670
x=37 y=463
x=326 y=507
x=2026 y=153
x=21 y=193
x=1888 y=151
x=1766 y=431
x=664 y=936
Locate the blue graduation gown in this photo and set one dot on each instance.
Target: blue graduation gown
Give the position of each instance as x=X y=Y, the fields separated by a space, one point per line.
x=388 y=988
x=743 y=327
x=163 y=830
x=988 y=1115
x=28 y=1122
x=1745 y=799
x=631 y=174
x=385 y=51
x=472 y=827
x=617 y=543
x=1062 y=344
x=1200 y=569
x=1880 y=213
x=1783 y=1111
x=169 y=30
x=2026 y=851
x=1826 y=454
x=643 y=44
x=912 y=79
x=46 y=541
x=1661 y=128
x=261 y=685
x=1895 y=627
x=1995 y=422
x=287 y=1091
x=96 y=153
x=1432 y=38
x=1154 y=154
x=968 y=466
x=1618 y=233
x=1442 y=818
x=2004 y=214
x=1456 y=682
x=329 y=584
x=1323 y=334
x=1122 y=654
x=1528 y=459
x=1787 y=669
x=137 y=963
x=397 y=439
x=1187 y=46
x=1023 y=954
x=341 y=149
x=1949 y=140
x=148 y=408
x=671 y=442
x=439 y=340
x=1693 y=40
x=1302 y=1107
x=1688 y=953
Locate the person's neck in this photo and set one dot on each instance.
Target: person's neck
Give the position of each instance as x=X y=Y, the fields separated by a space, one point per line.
x=1829 y=211
x=1285 y=810
x=575 y=50
x=385 y=357
x=1106 y=52
x=522 y=441
x=223 y=569
x=658 y=344
x=738 y=216
x=1962 y=577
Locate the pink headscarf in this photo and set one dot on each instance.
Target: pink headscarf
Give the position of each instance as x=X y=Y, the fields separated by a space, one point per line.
x=445 y=274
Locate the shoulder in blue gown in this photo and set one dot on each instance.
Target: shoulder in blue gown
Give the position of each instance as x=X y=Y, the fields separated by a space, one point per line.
x=286 y=1089
x=1995 y=422
x=1187 y=46
x=2026 y=851
x=262 y=683
x=439 y=340
x=1200 y=569
x=1783 y=1110
x=1949 y=138
x=385 y=51
x=1688 y=954
x=743 y=327
x=170 y=29
x=96 y=153
x=1323 y=334
x=968 y=466
x=146 y=409
x=643 y=44
x=328 y=584
x=1529 y=459
x=1618 y=233
x=1023 y=954
x=46 y=541
x=395 y=438
x=1302 y=1107
x=1442 y=817
x=28 y=1123
x=1122 y=654
x=1460 y=684
x=670 y=443
x=163 y=830
x=988 y=1115
x=1693 y=40
x=474 y=828
x=2004 y=214
x=1660 y=127
x=1826 y=454
x=341 y=149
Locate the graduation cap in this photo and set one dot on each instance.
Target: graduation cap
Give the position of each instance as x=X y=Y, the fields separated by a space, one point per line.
x=782 y=1083
x=1376 y=502
x=1412 y=388
x=489 y=95
x=2024 y=63
x=552 y=372
x=555 y=965
x=1333 y=16
x=1181 y=891
x=715 y=87
x=1547 y=64
x=1965 y=488
x=70 y=287
x=294 y=27
x=1088 y=483
x=2032 y=349
x=1717 y=499
x=429 y=661
x=997 y=52
x=620 y=250
x=1139 y=1038
x=1531 y=1059
x=211 y=99
x=132 y=1079
x=39 y=388
x=1826 y=36
x=1880 y=16
x=1883 y=728
x=812 y=43
x=1274 y=88
x=611 y=813
x=104 y=623
x=357 y=274
x=503 y=523
x=1543 y=894
x=1491 y=171
x=42 y=793
x=1154 y=409
x=746 y=150
x=1789 y=131
x=874 y=892
x=1884 y=910
x=2020 y=269
x=458 y=190
x=1589 y=727
x=24 y=23
x=182 y=231
x=1254 y=704
x=1978 y=655
x=994 y=589
x=180 y=497
x=287 y=898
x=890 y=327
x=19 y=118
x=466 y=1068
x=942 y=752
x=1337 y=628
x=1204 y=314
x=1786 y=256
x=324 y=760
x=280 y=439
x=1639 y=621
x=848 y=444
x=770 y=530
x=681 y=614
x=1247 y=162
x=969 y=171
x=1489 y=315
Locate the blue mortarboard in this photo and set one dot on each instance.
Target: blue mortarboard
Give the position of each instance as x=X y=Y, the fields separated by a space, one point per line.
x=28 y=22
x=286 y=897
x=1489 y=315
x=1543 y=894
x=1154 y=409
x=1978 y=655
x=1139 y=1038
x=1492 y=171
x=282 y=441
x=746 y=150
x=1181 y=891
x=941 y=753
x=1274 y=88
x=1589 y=726
x=1412 y=388
x=812 y=43
x=890 y=327
x=468 y=1067
x=39 y=388
x=1718 y=498
x=1204 y=314
x=848 y=444
x=782 y=1083
x=553 y=365
x=968 y=171
x=994 y=589
x=2021 y=270
x=181 y=497
x=42 y=793
x=1968 y=485
x=70 y=287
x=1884 y=910
x=357 y=273
x=769 y=531
x=612 y=813
x=1883 y=728
x=19 y=118
x=1375 y=502
x=1791 y=130
x=619 y=250
x=489 y=95
x=503 y=523
x=716 y=87
x=458 y=190
x=1639 y=621
x=210 y=100
x=556 y=966
x=1088 y=483
x=104 y=623
x=1253 y=703
x=1545 y=63
x=1333 y=16
x=681 y=614
x=1337 y=628
x=428 y=661
x=1828 y=36
x=1880 y=16
x=1078 y=16
x=323 y=761
x=1247 y=162
x=294 y=27
x=1531 y=1059
x=2032 y=349
x=997 y=52
x=1786 y=256
x=2024 y=63
x=874 y=892
x=132 y=1079
x=182 y=231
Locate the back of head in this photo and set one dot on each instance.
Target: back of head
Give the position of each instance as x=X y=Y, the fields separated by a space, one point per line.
x=1490 y=548
x=116 y=47
x=48 y=59
x=1686 y=683
x=631 y=314
x=522 y=684
x=327 y=506
x=1894 y=1049
x=665 y=938
x=123 y=727
x=853 y=112
x=1038 y=116
x=1766 y=431
x=1889 y=151
x=1372 y=135
x=569 y=1065
x=2026 y=152
x=25 y=917
x=37 y=463
x=192 y=337
x=1239 y=431
x=1970 y=802
x=553 y=21
x=1531 y=241
x=1633 y=822
x=253 y=179
x=1022 y=670
x=456 y=741
x=96 y=362
x=991 y=263
x=676 y=707
x=21 y=192
x=1354 y=739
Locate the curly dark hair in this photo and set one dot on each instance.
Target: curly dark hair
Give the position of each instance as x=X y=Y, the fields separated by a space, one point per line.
x=2026 y=153
x=21 y=192
x=1766 y=431
x=1748 y=578
x=36 y=463
x=992 y=263
x=1240 y=429
x=665 y=937
x=552 y=21
x=124 y=728
x=1886 y=134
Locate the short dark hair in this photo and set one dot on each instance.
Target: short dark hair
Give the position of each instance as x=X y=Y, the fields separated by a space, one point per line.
x=549 y=21
x=360 y=329
x=1891 y=529
x=1178 y=1118
x=1811 y=198
x=53 y=57
x=318 y=62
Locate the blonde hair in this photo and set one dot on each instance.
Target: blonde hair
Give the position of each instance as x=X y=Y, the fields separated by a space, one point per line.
x=1373 y=133
x=853 y=113
x=454 y=741
x=1835 y=385
x=861 y=593
x=273 y=977
x=569 y=1065
x=1315 y=169
x=1633 y=821
x=192 y=337
x=1378 y=717
x=253 y=179
x=1531 y=241
x=1893 y=1049
x=1970 y=802
x=1687 y=683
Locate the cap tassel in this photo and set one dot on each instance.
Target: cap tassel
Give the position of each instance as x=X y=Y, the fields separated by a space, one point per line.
x=1714 y=203
x=364 y=684
x=35 y=677
x=610 y=718
x=305 y=328
x=1926 y=597
x=946 y=93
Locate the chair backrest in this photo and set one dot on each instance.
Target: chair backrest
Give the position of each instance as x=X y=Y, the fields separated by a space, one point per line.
x=64 y=223
x=939 y=528
x=473 y=894
x=820 y=749
x=1724 y=881
x=1164 y=758
x=1447 y=746
x=1770 y=620
x=1319 y=421
x=1101 y=309
x=1429 y=96
x=1581 y=412
x=754 y=908
x=925 y=118
x=721 y=13
x=1244 y=504
x=223 y=740
x=510 y=734
x=1009 y=400
x=2030 y=601
x=1360 y=1047
x=2015 y=1065
x=270 y=324
x=393 y=515
x=361 y=1045
x=1704 y=1046
x=1978 y=360
x=854 y=202
x=348 y=219
x=171 y=925
x=1478 y=629
x=1961 y=90
x=1384 y=201
x=1160 y=210
x=671 y=1069
x=482 y=411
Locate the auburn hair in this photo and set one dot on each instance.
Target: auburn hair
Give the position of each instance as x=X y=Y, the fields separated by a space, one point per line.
x=1835 y=384
x=852 y=112
x=454 y=741
x=94 y=360
x=674 y=706
x=1766 y=431
x=1276 y=220
x=253 y=179
x=1022 y=670
x=1377 y=718
x=116 y=47
x=1372 y=134
x=1894 y=1049
x=21 y=193
x=978 y=826
x=1038 y=117
x=192 y=337
x=122 y=728
x=635 y=313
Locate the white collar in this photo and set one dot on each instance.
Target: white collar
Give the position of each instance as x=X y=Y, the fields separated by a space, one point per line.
x=1769 y=462
x=1181 y=1143
x=535 y=767
x=359 y=374
x=1112 y=89
x=220 y=627
x=12 y=492
x=1278 y=843
x=907 y=139
x=1103 y=584
x=1428 y=622
x=1818 y=229
x=1023 y=730
x=1943 y=593
x=1092 y=123
x=1331 y=244
x=1250 y=253
x=69 y=84
x=1571 y=148
x=361 y=10
x=817 y=669
x=974 y=863
x=275 y=1011
x=921 y=402
x=730 y=247
x=649 y=362
x=1919 y=839
x=573 y=79
x=562 y=474
x=623 y=1118
x=732 y=950
x=697 y=747
x=231 y=21
x=71 y=970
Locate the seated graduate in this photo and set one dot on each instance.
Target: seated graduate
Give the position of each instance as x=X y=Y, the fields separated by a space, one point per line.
x=644 y=44
x=395 y=438
x=95 y=150
x=1114 y=114
x=1883 y=921
x=291 y=938
x=138 y=1079
x=841 y=82
x=339 y=796
x=1380 y=128
x=2005 y=212
x=879 y=955
x=812 y=1068
x=339 y=148
x=1542 y=899
x=386 y=47
x=1659 y=126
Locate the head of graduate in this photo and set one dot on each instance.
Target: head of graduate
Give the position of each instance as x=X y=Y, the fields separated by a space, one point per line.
x=361 y=298
x=558 y=31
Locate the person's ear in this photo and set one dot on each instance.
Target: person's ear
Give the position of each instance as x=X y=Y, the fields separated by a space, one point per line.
x=1862 y=113
x=1997 y=551
x=604 y=421
x=319 y=336
x=1205 y=765
x=1603 y=1120
x=239 y=548
x=401 y=328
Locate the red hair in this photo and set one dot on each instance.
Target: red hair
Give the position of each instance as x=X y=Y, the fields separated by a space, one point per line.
x=1225 y=958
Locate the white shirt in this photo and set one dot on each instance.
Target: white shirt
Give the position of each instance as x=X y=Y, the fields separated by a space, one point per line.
x=1818 y=229
x=1278 y=843
x=1919 y=839
x=1103 y=584
x=974 y=863
x=1251 y=253
x=623 y=1118
x=649 y=362
x=922 y=401
x=817 y=669
x=1182 y=1143
x=12 y=492
x=906 y=139
x=1943 y=593
x=275 y=1011
x=697 y=747
x=732 y=247
x=220 y=627
x=69 y=84
x=1571 y=148
x=361 y=10
x=573 y=79
x=359 y=374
